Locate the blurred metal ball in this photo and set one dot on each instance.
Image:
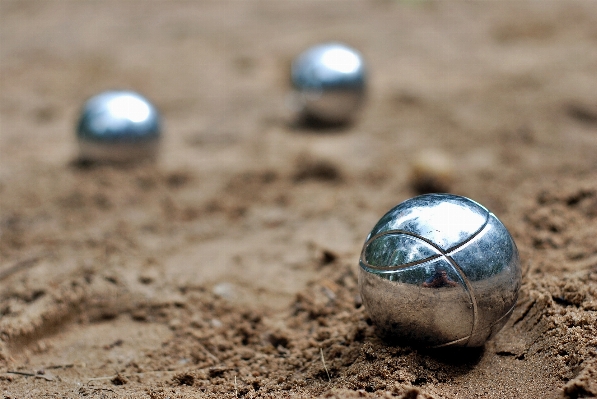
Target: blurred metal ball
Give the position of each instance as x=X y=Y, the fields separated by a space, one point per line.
x=439 y=270
x=118 y=126
x=329 y=81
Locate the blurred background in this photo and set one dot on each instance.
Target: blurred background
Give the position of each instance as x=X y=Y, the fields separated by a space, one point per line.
x=496 y=100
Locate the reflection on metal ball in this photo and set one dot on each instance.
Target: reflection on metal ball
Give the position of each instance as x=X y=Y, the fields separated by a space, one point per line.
x=118 y=126
x=439 y=270
x=329 y=81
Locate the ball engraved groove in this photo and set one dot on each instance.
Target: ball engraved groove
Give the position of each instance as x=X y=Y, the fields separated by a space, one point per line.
x=439 y=270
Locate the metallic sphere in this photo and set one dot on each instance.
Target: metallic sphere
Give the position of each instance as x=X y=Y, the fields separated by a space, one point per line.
x=329 y=82
x=118 y=126
x=439 y=270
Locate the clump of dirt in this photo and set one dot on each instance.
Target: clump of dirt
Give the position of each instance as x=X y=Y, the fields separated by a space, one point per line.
x=316 y=169
x=228 y=267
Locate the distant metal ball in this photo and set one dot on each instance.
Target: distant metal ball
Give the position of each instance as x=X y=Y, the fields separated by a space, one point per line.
x=439 y=270
x=118 y=126
x=329 y=81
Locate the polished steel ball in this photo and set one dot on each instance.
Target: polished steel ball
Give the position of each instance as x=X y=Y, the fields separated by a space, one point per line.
x=439 y=270
x=118 y=126
x=329 y=82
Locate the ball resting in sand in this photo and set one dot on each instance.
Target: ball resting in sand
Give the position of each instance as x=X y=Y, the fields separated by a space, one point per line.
x=439 y=270
x=118 y=126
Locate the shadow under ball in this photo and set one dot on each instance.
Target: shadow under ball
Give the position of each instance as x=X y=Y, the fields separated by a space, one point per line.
x=329 y=83
x=118 y=126
x=439 y=270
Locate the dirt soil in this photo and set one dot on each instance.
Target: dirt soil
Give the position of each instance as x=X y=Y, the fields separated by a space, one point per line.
x=228 y=268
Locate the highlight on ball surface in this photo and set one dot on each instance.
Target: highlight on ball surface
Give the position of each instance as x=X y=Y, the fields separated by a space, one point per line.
x=329 y=83
x=118 y=126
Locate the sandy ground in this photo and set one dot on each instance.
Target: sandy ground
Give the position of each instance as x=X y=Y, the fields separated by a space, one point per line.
x=228 y=269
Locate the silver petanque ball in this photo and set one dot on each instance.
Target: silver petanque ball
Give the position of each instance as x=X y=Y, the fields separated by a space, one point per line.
x=439 y=270
x=329 y=82
x=118 y=126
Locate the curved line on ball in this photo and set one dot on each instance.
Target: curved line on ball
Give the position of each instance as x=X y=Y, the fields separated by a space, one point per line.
x=420 y=261
x=507 y=314
x=472 y=236
x=463 y=276
x=451 y=342
x=467 y=283
x=403 y=265
x=471 y=294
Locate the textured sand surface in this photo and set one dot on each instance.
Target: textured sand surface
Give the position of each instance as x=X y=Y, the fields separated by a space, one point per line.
x=228 y=269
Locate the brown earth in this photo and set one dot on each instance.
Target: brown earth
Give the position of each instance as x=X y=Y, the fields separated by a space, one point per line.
x=228 y=269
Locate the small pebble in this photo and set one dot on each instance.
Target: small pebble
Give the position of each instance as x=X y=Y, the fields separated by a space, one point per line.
x=432 y=171
x=225 y=290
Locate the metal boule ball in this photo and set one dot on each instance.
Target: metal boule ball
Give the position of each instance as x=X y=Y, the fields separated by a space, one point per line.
x=118 y=126
x=439 y=270
x=329 y=83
